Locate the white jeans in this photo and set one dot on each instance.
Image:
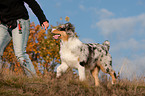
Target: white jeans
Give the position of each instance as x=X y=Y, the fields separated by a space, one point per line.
x=19 y=43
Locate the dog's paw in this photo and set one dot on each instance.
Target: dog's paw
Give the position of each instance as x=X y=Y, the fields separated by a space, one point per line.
x=113 y=83
x=58 y=76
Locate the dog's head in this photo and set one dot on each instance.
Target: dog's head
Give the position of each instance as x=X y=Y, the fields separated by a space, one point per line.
x=64 y=31
x=66 y=27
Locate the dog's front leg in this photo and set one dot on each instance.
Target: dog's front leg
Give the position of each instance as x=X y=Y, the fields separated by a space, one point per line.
x=81 y=71
x=61 y=69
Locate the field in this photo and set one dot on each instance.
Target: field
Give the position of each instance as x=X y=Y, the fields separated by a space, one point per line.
x=12 y=84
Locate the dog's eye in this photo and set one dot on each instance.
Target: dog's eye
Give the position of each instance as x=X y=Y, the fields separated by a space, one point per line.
x=69 y=33
x=61 y=29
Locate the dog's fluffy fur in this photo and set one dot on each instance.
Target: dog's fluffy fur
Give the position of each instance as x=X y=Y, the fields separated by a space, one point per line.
x=75 y=54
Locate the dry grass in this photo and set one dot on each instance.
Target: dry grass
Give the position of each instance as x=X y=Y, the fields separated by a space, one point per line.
x=67 y=85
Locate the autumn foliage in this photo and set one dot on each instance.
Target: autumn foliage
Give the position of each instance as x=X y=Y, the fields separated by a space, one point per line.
x=43 y=50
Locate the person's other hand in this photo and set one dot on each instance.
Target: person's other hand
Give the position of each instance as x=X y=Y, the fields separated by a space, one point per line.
x=45 y=25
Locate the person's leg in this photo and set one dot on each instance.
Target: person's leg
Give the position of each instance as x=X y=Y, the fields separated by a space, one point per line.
x=1 y=64
x=20 y=38
x=4 y=40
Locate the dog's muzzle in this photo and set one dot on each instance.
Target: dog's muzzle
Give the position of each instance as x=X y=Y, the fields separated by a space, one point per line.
x=56 y=36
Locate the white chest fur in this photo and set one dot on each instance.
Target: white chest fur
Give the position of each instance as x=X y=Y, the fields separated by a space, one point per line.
x=69 y=51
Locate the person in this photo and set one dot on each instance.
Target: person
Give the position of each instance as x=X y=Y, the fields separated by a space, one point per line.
x=15 y=25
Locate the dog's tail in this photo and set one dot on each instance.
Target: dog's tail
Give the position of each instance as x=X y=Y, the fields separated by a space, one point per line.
x=107 y=44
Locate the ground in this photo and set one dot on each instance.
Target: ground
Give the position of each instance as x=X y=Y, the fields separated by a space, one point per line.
x=67 y=85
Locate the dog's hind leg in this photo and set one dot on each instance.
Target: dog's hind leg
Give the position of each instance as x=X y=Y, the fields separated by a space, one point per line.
x=110 y=71
x=105 y=64
x=61 y=69
x=95 y=73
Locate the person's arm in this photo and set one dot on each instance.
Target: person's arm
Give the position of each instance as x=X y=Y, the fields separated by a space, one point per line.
x=38 y=12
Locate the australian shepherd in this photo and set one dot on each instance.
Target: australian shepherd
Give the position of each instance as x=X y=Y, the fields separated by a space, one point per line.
x=82 y=56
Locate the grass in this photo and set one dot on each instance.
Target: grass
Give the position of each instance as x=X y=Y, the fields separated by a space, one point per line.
x=67 y=85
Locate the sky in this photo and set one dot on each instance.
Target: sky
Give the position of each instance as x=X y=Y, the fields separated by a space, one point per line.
x=122 y=22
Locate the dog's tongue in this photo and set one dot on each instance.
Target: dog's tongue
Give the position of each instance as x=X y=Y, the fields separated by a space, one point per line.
x=56 y=36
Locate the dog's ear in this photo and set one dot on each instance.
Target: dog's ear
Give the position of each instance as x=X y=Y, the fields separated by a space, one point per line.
x=69 y=27
x=61 y=28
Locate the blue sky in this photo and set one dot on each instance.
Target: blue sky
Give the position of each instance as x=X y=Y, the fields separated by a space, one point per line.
x=122 y=22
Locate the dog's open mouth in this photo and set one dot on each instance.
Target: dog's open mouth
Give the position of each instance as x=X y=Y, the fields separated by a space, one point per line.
x=56 y=36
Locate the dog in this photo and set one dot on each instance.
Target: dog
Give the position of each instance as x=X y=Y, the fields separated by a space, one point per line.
x=81 y=56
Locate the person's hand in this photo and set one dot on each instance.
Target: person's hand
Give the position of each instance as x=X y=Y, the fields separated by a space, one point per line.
x=45 y=25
